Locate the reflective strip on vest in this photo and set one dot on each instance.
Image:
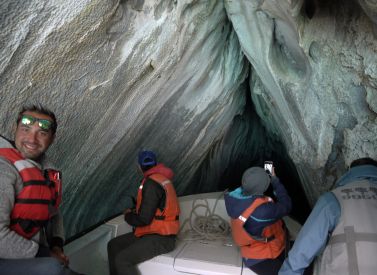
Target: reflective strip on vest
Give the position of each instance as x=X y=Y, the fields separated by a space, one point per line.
x=165 y=182
x=22 y=164
x=359 y=237
x=350 y=237
x=242 y=218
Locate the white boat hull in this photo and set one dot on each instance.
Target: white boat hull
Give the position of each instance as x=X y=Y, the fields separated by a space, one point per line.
x=88 y=254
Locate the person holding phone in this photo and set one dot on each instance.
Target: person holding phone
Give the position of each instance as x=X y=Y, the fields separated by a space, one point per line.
x=256 y=220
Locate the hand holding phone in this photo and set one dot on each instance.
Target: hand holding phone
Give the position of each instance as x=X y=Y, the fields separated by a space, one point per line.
x=268 y=167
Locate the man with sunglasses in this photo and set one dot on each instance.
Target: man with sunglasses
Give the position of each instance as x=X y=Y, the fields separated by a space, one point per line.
x=31 y=226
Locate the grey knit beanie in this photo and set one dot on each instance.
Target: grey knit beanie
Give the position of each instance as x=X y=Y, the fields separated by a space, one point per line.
x=255 y=181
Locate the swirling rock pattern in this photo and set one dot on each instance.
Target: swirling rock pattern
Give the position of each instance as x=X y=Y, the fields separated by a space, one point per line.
x=177 y=77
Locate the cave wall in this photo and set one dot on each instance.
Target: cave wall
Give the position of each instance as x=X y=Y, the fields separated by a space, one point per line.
x=211 y=86
x=313 y=80
x=121 y=76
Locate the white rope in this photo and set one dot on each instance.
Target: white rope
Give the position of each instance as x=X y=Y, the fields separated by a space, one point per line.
x=208 y=227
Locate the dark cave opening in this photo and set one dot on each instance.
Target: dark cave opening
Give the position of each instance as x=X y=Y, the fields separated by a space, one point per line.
x=259 y=145
x=287 y=174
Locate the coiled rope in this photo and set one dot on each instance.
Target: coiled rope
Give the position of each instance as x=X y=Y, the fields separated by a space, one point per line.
x=208 y=227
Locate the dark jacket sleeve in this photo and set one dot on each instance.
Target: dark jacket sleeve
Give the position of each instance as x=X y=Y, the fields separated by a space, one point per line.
x=269 y=213
x=153 y=197
x=278 y=209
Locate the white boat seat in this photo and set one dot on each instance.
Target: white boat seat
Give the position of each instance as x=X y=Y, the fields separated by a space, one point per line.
x=209 y=257
x=88 y=254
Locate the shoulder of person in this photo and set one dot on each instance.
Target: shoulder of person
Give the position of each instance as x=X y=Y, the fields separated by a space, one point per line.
x=6 y=167
x=150 y=183
x=10 y=179
x=327 y=202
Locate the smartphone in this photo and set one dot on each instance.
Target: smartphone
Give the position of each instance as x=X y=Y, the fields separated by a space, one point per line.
x=268 y=166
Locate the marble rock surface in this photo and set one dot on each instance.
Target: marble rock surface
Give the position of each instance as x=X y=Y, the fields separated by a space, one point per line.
x=211 y=86
x=313 y=80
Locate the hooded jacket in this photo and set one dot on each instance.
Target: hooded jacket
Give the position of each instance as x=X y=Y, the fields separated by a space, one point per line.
x=263 y=216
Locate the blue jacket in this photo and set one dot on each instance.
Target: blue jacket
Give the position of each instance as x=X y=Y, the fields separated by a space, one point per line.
x=265 y=214
x=313 y=236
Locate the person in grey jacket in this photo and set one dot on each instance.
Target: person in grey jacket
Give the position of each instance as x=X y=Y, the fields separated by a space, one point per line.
x=28 y=246
x=340 y=234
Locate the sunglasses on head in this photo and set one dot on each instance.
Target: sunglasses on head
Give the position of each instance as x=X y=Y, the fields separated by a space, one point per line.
x=29 y=120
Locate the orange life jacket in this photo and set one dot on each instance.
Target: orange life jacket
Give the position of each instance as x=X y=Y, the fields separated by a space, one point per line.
x=41 y=191
x=267 y=246
x=165 y=222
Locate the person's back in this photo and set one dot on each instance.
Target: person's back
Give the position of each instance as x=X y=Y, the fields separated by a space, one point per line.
x=354 y=239
x=155 y=219
x=165 y=220
x=342 y=225
x=256 y=221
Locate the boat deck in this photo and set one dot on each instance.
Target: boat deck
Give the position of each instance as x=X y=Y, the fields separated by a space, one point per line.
x=192 y=255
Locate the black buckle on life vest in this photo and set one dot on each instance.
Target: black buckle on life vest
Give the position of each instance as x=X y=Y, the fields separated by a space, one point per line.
x=264 y=239
x=28 y=225
x=49 y=182
x=161 y=218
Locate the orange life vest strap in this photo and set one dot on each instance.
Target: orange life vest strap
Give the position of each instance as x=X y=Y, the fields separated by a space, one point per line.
x=247 y=212
x=242 y=237
x=160 y=179
x=267 y=246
